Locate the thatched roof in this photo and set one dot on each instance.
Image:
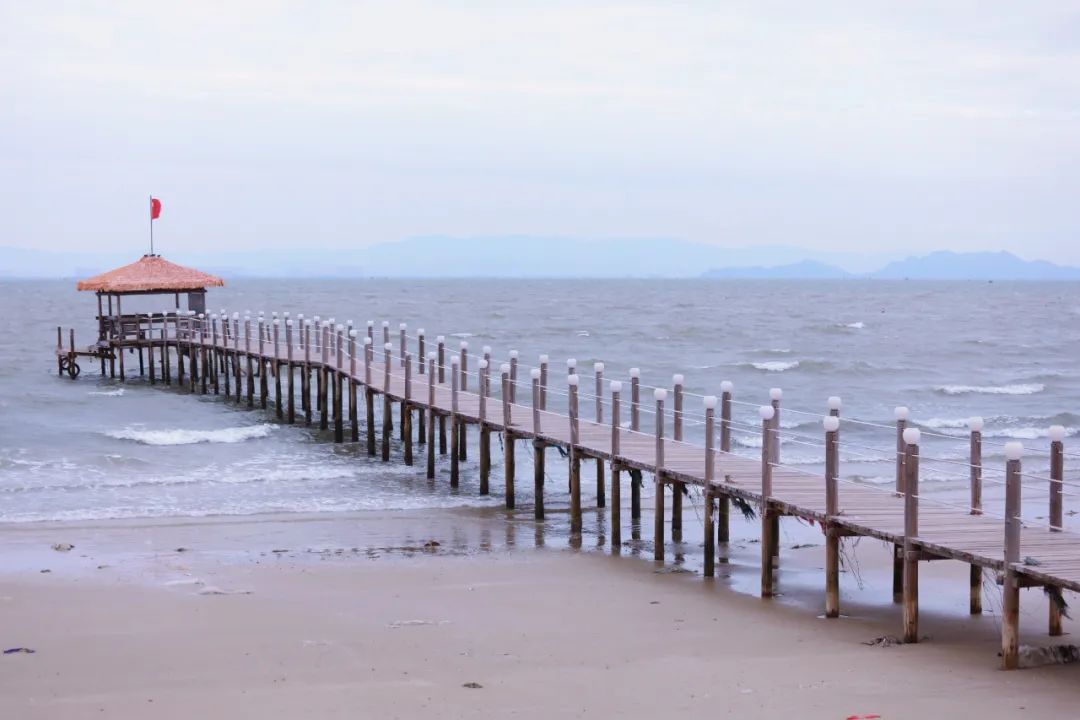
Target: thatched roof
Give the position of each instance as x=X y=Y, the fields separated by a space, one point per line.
x=151 y=273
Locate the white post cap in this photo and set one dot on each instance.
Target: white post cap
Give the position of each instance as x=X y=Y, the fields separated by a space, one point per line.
x=677 y=379
x=464 y=344
x=975 y=424
x=236 y=316
x=201 y=316
x=598 y=367
x=709 y=401
x=1057 y=433
x=635 y=372
x=660 y=394
x=775 y=393
x=370 y=323
x=571 y=362
x=402 y=326
x=332 y=321
x=288 y=323
x=486 y=349
x=214 y=316
x=727 y=386
x=315 y=318
x=513 y=354
x=616 y=386
x=348 y=323
x=834 y=402
x=388 y=347
x=299 y=316
x=483 y=364
x=352 y=333
x=430 y=356
x=572 y=380
x=766 y=412
x=901 y=412
x=543 y=359
x=505 y=368
x=912 y=436
x=1013 y=450
x=285 y=314
x=340 y=327
x=440 y=339
x=420 y=332
x=367 y=341
x=454 y=359
x=386 y=323
x=535 y=373
x=831 y=423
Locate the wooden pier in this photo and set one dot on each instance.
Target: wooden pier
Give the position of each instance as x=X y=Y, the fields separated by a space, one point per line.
x=438 y=392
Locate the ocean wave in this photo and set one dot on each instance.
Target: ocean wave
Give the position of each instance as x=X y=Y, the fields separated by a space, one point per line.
x=775 y=365
x=191 y=437
x=116 y=392
x=1017 y=389
x=856 y=325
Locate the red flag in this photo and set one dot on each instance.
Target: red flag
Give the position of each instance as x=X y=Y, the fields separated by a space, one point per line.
x=155 y=208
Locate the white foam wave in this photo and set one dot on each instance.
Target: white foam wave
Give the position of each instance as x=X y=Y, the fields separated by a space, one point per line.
x=1017 y=389
x=775 y=365
x=856 y=325
x=117 y=392
x=191 y=437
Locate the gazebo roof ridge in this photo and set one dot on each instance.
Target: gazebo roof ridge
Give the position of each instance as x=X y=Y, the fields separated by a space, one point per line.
x=150 y=274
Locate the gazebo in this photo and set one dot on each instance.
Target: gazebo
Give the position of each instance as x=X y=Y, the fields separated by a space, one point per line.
x=149 y=275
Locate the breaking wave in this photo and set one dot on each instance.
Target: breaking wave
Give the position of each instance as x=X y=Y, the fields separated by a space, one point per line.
x=191 y=437
x=1017 y=389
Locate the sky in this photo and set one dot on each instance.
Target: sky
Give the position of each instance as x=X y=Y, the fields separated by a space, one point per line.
x=855 y=126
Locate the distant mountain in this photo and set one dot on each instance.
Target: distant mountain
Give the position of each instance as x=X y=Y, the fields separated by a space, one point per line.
x=945 y=265
x=805 y=270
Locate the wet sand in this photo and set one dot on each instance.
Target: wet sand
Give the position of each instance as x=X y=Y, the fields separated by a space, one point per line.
x=397 y=614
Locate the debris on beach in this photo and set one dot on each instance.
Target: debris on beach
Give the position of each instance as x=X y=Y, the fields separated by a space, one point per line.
x=63 y=547
x=20 y=650
x=431 y=544
x=1032 y=562
x=46 y=570
x=472 y=685
x=415 y=623
x=884 y=641
x=214 y=590
x=183 y=549
x=1032 y=656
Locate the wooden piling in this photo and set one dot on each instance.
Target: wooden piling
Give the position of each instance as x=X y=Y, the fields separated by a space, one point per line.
x=975 y=424
x=635 y=425
x=768 y=552
x=421 y=355
x=677 y=436
x=832 y=510
x=441 y=349
x=911 y=535
x=575 y=457
x=658 y=475
x=354 y=420
x=463 y=374
x=508 y=438
x=709 y=403
x=264 y=381
x=289 y=366
x=601 y=479
x=388 y=405
x=249 y=363
x=432 y=356
x=485 y=430
x=723 y=503
x=901 y=475
x=406 y=410
x=538 y=448
x=369 y=396
x=338 y=379
x=324 y=378
x=455 y=434
x=1057 y=479
x=1010 y=619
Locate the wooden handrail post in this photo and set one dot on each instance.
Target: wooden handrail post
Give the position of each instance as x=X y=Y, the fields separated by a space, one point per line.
x=543 y=381
x=485 y=431
x=406 y=410
x=508 y=443
x=723 y=504
x=455 y=433
x=975 y=425
x=403 y=341
x=386 y=332
x=635 y=399
x=901 y=414
x=388 y=406
x=431 y=360
x=660 y=395
x=575 y=456
x=421 y=416
x=538 y=448
x=767 y=413
x=911 y=438
x=1010 y=619
x=598 y=375
x=291 y=399
x=463 y=368
x=616 y=487
x=677 y=381
x=1057 y=514
x=513 y=375
x=832 y=509
x=709 y=403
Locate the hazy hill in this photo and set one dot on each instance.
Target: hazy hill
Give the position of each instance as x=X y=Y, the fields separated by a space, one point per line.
x=945 y=265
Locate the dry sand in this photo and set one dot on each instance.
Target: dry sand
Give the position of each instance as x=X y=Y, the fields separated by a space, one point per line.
x=357 y=619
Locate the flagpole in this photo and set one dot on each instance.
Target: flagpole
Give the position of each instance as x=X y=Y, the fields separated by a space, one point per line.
x=151 y=225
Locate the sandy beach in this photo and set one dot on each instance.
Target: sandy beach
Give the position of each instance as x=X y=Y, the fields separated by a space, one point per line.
x=443 y=614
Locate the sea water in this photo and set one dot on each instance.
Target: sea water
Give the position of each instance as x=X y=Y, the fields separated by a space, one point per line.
x=96 y=448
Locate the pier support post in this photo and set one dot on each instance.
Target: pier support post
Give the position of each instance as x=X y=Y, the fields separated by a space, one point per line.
x=901 y=414
x=658 y=520
x=508 y=437
x=768 y=552
x=975 y=425
x=911 y=535
x=431 y=416
x=388 y=404
x=1057 y=479
x=455 y=422
x=406 y=406
x=463 y=385
x=538 y=448
x=441 y=349
x=832 y=509
x=369 y=396
x=635 y=426
x=723 y=503
x=601 y=479
x=709 y=403
x=289 y=368
x=264 y=384
x=421 y=355
x=575 y=458
x=485 y=431
x=677 y=436
x=616 y=448
x=249 y=364
x=1010 y=618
